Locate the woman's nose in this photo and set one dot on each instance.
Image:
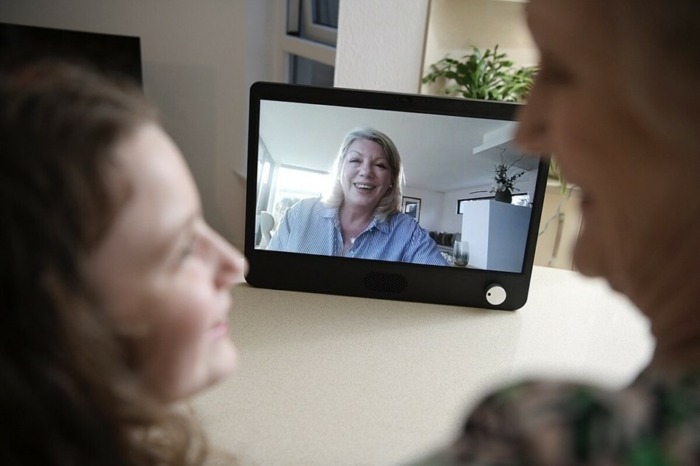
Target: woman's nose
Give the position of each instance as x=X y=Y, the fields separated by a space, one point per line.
x=533 y=130
x=366 y=169
x=231 y=265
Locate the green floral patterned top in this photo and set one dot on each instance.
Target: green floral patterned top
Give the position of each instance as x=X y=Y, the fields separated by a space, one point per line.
x=654 y=421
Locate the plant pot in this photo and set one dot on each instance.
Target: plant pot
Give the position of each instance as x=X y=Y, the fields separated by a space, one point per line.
x=504 y=196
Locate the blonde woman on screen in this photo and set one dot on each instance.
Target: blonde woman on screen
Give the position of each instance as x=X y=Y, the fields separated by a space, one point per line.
x=361 y=216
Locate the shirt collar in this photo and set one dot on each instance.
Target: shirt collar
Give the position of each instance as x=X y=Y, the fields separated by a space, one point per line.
x=332 y=213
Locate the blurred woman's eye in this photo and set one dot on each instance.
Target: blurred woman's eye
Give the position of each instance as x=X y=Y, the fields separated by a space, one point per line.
x=381 y=165
x=553 y=73
x=187 y=248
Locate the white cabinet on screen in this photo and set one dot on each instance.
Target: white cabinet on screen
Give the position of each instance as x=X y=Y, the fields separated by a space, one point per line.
x=497 y=234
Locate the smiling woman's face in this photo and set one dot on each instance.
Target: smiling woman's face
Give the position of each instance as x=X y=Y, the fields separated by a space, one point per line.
x=163 y=275
x=582 y=111
x=365 y=175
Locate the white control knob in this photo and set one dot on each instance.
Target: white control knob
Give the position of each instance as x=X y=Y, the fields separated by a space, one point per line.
x=496 y=295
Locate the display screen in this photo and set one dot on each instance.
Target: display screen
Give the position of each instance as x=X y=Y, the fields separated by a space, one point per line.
x=449 y=163
x=344 y=182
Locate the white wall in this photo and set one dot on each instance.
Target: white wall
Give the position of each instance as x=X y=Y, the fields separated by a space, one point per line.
x=430 y=206
x=199 y=58
x=452 y=221
x=476 y=233
x=380 y=44
x=496 y=233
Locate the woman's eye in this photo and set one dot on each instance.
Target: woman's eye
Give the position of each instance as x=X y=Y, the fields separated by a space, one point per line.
x=187 y=249
x=553 y=74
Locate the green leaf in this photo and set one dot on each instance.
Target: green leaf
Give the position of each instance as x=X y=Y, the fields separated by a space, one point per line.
x=483 y=74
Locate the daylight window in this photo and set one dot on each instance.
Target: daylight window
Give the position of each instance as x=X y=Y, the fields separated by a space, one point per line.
x=293 y=184
x=309 y=43
x=315 y=20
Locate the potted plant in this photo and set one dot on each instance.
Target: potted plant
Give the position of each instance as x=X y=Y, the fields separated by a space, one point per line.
x=504 y=181
x=485 y=75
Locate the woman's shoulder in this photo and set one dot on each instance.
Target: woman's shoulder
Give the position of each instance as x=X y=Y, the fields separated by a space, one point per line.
x=650 y=399
x=651 y=418
x=309 y=201
x=309 y=204
x=407 y=225
x=404 y=220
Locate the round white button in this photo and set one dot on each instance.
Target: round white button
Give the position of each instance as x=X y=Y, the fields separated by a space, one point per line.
x=495 y=295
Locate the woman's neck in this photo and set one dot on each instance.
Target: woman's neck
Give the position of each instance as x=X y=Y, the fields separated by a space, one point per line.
x=675 y=323
x=352 y=223
x=665 y=287
x=354 y=217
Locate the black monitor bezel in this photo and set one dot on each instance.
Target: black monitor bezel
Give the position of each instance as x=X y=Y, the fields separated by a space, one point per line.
x=371 y=278
x=111 y=54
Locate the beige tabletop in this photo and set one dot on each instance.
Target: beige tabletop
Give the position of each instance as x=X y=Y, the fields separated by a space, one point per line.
x=331 y=380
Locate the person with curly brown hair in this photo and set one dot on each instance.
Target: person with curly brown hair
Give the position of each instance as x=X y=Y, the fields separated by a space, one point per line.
x=114 y=291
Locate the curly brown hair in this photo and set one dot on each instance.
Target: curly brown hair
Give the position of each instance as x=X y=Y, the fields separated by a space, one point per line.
x=69 y=394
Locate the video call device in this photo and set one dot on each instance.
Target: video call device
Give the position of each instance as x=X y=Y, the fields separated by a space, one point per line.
x=450 y=149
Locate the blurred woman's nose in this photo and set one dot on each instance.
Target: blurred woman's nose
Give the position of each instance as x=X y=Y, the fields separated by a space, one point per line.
x=231 y=264
x=532 y=133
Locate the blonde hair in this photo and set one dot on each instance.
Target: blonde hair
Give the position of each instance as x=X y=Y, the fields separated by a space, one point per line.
x=391 y=202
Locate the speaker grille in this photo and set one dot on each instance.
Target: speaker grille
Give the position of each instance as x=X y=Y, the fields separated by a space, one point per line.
x=385 y=282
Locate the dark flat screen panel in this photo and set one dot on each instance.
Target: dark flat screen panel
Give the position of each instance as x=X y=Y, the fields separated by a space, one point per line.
x=109 y=53
x=449 y=148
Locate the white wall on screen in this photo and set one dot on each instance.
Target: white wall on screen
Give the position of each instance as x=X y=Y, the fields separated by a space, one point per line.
x=475 y=230
x=507 y=236
x=497 y=234
x=452 y=222
x=430 y=208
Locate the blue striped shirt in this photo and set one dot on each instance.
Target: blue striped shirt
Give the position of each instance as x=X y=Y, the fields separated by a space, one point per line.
x=310 y=227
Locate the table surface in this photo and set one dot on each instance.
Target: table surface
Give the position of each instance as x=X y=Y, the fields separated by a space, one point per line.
x=354 y=381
